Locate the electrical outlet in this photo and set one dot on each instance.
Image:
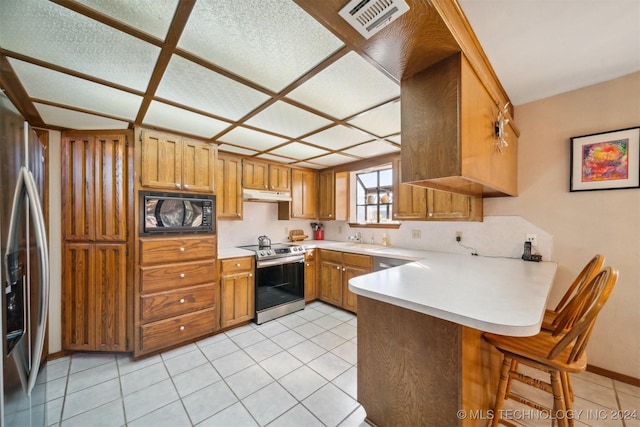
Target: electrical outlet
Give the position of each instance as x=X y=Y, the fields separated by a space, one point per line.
x=458 y=236
x=533 y=238
x=416 y=234
x=286 y=230
x=339 y=229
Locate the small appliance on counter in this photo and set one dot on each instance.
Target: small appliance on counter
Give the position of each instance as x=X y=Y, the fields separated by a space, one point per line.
x=297 y=235
x=264 y=242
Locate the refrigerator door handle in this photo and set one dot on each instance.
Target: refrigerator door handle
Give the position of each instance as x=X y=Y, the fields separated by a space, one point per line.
x=28 y=367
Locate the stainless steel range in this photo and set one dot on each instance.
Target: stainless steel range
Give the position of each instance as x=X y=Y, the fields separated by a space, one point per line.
x=279 y=280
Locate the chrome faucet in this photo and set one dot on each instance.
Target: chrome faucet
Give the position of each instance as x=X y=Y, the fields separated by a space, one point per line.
x=356 y=237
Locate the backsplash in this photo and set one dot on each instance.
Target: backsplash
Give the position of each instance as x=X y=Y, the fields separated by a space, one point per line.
x=501 y=236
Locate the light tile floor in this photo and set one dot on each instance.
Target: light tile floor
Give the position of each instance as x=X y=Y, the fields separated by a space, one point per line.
x=298 y=370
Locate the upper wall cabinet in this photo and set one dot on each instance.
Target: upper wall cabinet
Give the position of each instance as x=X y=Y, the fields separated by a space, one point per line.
x=228 y=187
x=260 y=175
x=334 y=195
x=448 y=133
x=174 y=163
x=304 y=196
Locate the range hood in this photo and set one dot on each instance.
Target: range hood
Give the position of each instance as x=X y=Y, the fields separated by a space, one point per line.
x=252 y=195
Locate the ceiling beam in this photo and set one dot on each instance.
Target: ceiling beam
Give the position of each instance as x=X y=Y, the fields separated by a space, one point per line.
x=17 y=94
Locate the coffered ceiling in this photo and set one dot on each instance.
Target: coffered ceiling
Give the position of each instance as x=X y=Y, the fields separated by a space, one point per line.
x=281 y=80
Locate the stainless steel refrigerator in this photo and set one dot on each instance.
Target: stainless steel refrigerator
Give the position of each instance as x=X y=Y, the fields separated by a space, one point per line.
x=24 y=271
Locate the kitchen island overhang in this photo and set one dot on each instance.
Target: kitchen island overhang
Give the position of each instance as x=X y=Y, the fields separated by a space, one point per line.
x=421 y=358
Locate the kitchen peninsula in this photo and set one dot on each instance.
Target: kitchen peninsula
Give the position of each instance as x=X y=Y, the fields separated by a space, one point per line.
x=421 y=358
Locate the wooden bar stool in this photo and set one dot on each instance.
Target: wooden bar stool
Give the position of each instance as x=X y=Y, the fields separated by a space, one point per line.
x=587 y=273
x=556 y=352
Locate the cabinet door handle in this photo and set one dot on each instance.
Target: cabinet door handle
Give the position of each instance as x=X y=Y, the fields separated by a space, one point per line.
x=181 y=249
x=182 y=275
x=307 y=264
x=186 y=186
x=238 y=265
x=182 y=328
x=344 y=269
x=250 y=275
x=330 y=215
x=181 y=300
x=338 y=267
x=178 y=186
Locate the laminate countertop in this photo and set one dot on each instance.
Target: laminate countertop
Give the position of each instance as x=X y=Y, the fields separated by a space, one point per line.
x=499 y=295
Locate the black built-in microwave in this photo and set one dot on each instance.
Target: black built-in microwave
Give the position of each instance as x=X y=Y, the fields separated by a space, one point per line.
x=176 y=213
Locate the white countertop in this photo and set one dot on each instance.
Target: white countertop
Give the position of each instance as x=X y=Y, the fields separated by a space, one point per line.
x=224 y=253
x=499 y=295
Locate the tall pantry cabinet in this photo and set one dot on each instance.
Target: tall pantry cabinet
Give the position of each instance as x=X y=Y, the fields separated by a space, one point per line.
x=96 y=217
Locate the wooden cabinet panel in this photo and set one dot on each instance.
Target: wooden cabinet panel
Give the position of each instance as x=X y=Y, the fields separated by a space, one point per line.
x=310 y=276
x=77 y=183
x=279 y=178
x=445 y=205
x=161 y=160
x=304 y=194
x=172 y=303
x=155 y=279
x=111 y=188
x=110 y=284
x=175 y=330
x=448 y=140
x=198 y=166
x=327 y=195
x=409 y=201
x=78 y=292
x=157 y=251
x=237 y=303
x=349 y=299
x=330 y=278
x=229 y=187
x=96 y=299
x=336 y=269
x=255 y=174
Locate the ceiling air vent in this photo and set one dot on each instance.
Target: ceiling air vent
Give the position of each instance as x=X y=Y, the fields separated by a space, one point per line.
x=370 y=16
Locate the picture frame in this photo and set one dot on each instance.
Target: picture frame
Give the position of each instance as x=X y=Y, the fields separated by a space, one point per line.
x=605 y=161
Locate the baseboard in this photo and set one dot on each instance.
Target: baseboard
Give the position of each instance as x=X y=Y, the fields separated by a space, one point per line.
x=59 y=354
x=614 y=375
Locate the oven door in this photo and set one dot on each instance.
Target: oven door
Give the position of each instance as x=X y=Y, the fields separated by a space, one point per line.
x=279 y=282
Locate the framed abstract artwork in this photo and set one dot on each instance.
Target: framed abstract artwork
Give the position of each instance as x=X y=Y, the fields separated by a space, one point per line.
x=606 y=161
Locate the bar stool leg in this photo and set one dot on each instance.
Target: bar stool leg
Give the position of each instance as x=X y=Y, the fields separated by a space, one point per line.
x=559 y=407
x=501 y=392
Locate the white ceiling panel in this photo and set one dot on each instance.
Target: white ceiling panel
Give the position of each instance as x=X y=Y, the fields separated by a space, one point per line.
x=395 y=138
x=237 y=150
x=346 y=87
x=190 y=84
x=285 y=119
x=334 y=159
x=270 y=42
x=309 y=165
x=249 y=138
x=273 y=158
x=70 y=119
x=372 y=149
x=382 y=121
x=150 y=16
x=170 y=117
x=45 y=84
x=338 y=137
x=54 y=34
x=299 y=151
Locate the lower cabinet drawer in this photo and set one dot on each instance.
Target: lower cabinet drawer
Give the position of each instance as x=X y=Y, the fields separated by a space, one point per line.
x=173 y=276
x=172 y=303
x=165 y=333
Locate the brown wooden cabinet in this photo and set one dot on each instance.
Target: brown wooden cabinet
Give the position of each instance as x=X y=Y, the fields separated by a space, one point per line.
x=237 y=291
x=304 y=196
x=310 y=275
x=336 y=269
x=260 y=175
x=228 y=187
x=448 y=138
x=96 y=271
x=334 y=195
x=177 y=291
x=418 y=203
x=174 y=163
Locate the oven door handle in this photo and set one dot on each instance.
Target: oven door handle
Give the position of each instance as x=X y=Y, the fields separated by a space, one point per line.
x=279 y=261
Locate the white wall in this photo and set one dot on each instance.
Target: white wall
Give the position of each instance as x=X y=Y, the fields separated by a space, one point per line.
x=584 y=223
